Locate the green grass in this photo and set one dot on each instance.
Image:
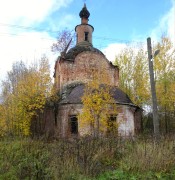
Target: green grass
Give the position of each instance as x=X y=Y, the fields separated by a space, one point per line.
x=87 y=159
x=24 y=159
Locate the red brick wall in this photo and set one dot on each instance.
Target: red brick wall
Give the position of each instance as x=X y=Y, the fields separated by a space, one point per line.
x=80 y=70
x=44 y=123
x=81 y=29
x=125 y=119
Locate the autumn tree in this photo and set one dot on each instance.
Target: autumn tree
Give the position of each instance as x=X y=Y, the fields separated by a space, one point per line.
x=24 y=93
x=164 y=65
x=98 y=104
x=134 y=77
x=8 y=95
x=125 y=62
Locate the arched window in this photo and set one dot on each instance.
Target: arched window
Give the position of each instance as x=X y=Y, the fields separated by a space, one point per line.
x=73 y=124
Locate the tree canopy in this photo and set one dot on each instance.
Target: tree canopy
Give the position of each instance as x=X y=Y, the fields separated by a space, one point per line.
x=24 y=93
x=134 y=78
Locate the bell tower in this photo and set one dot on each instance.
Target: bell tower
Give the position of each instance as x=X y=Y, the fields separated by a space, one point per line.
x=84 y=30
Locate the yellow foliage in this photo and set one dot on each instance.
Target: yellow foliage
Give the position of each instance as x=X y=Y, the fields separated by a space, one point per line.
x=134 y=77
x=164 y=65
x=98 y=104
x=27 y=98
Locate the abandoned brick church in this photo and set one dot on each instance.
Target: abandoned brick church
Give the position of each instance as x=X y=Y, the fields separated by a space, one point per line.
x=72 y=71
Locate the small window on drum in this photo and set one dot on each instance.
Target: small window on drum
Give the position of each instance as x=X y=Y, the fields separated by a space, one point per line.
x=86 y=36
x=73 y=122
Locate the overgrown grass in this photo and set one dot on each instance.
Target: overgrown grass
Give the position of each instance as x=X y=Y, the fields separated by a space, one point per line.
x=24 y=159
x=87 y=158
x=149 y=155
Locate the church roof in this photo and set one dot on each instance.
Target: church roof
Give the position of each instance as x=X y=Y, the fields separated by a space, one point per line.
x=73 y=52
x=74 y=93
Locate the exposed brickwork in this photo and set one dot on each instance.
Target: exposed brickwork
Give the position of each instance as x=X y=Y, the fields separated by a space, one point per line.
x=44 y=123
x=125 y=119
x=65 y=111
x=81 y=29
x=80 y=70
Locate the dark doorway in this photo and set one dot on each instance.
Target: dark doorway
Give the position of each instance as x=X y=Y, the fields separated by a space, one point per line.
x=73 y=121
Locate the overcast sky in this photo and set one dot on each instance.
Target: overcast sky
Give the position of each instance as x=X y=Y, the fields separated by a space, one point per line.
x=29 y=27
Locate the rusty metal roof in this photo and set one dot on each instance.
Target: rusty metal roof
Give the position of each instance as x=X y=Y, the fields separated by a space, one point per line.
x=73 y=95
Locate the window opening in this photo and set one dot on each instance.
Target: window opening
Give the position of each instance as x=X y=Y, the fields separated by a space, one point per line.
x=112 y=125
x=73 y=125
x=86 y=36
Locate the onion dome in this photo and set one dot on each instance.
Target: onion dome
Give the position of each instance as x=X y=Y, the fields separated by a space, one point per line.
x=84 y=13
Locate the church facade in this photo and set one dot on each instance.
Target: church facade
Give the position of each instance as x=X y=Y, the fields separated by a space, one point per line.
x=73 y=69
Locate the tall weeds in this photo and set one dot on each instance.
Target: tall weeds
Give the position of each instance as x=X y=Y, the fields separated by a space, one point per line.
x=149 y=155
x=85 y=158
